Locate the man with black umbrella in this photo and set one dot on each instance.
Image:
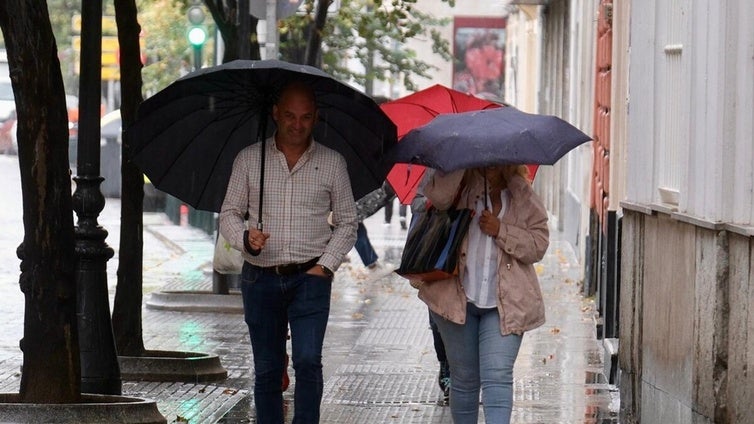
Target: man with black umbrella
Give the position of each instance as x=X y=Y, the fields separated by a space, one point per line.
x=288 y=269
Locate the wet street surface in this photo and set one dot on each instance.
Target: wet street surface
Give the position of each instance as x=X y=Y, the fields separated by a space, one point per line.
x=379 y=361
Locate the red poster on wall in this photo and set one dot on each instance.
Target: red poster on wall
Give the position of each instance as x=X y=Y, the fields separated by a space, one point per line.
x=479 y=56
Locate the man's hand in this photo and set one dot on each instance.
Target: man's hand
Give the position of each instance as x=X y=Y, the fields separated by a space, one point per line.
x=257 y=239
x=489 y=224
x=318 y=270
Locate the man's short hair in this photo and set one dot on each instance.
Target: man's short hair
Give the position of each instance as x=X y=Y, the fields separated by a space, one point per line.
x=299 y=87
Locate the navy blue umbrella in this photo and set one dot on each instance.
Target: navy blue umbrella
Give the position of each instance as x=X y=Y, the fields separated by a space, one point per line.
x=186 y=137
x=488 y=137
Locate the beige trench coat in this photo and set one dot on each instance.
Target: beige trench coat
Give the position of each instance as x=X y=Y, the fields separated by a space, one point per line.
x=523 y=240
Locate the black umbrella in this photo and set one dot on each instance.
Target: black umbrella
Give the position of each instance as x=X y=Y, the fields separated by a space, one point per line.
x=488 y=137
x=186 y=136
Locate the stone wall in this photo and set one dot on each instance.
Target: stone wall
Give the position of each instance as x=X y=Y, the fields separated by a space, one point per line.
x=686 y=336
x=740 y=358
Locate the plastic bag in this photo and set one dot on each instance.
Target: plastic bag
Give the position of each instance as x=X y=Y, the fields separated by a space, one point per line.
x=227 y=260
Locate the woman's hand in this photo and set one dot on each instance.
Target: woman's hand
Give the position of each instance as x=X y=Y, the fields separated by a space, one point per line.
x=489 y=224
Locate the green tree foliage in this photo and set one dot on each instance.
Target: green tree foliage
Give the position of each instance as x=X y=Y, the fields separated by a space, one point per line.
x=373 y=32
x=164 y=25
x=61 y=18
x=169 y=54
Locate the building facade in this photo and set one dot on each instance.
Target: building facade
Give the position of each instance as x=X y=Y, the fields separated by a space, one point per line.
x=659 y=205
x=687 y=332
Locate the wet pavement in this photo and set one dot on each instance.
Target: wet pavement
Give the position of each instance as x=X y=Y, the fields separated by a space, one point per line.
x=379 y=362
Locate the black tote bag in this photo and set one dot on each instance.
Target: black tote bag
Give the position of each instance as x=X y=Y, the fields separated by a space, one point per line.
x=431 y=249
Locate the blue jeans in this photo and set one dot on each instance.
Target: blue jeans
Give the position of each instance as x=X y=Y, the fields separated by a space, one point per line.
x=480 y=358
x=272 y=303
x=364 y=246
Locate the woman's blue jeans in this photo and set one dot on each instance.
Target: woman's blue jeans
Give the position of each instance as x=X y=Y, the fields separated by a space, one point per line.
x=364 y=246
x=272 y=303
x=480 y=358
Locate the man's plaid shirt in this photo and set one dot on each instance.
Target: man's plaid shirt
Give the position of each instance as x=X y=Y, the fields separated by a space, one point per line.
x=295 y=206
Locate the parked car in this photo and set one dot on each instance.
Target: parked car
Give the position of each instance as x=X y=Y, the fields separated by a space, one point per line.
x=8 y=136
x=7 y=100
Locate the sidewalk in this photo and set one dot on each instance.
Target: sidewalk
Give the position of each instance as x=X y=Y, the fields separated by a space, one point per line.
x=379 y=363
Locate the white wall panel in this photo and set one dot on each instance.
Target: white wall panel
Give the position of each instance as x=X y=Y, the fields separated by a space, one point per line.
x=641 y=110
x=741 y=30
x=690 y=119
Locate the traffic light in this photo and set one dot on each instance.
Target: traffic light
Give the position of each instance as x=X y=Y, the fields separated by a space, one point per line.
x=197 y=34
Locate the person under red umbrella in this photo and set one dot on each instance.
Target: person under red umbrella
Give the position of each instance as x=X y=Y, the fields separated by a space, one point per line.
x=416 y=110
x=407 y=113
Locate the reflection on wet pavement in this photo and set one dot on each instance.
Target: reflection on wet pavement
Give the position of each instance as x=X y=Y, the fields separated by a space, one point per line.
x=379 y=361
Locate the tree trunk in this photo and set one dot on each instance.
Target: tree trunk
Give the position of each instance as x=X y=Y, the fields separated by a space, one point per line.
x=315 y=35
x=127 y=326
x=51 y=370
x=224 y=14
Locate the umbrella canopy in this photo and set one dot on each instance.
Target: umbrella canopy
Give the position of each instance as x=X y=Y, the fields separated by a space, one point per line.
x=416 y=110
x=186 y=137
x=488 y=137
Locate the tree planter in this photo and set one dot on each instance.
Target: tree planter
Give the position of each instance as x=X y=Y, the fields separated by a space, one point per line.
x=164 y=365
x=92 y=409
x=196 y=301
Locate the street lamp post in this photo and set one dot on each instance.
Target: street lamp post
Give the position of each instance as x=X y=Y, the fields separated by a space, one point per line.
x=100 y=372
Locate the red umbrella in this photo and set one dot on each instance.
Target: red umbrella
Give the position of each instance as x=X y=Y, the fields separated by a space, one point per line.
x=417 y=109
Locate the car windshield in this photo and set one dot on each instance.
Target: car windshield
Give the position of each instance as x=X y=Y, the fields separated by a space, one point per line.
x=6 y=91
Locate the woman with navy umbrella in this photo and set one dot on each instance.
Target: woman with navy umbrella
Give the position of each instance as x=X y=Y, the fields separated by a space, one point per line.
x=484 y=311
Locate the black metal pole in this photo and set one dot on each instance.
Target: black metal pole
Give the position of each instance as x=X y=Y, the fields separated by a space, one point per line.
x=100 y=372
x=244 y=30
x=197 y=57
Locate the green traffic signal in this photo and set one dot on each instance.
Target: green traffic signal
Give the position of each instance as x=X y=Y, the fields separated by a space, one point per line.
x=197 y=36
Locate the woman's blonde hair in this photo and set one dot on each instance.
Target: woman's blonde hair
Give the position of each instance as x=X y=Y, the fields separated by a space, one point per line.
x=522 y=170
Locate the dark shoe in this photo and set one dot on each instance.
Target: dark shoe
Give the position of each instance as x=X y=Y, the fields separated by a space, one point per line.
x=443 y=378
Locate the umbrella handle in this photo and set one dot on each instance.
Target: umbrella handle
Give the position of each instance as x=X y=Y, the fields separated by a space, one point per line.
x=485 y=188
x=261 y=137
x=256 y=252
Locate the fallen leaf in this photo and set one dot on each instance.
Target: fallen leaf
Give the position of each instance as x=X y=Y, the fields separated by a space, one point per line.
x=555 y=330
